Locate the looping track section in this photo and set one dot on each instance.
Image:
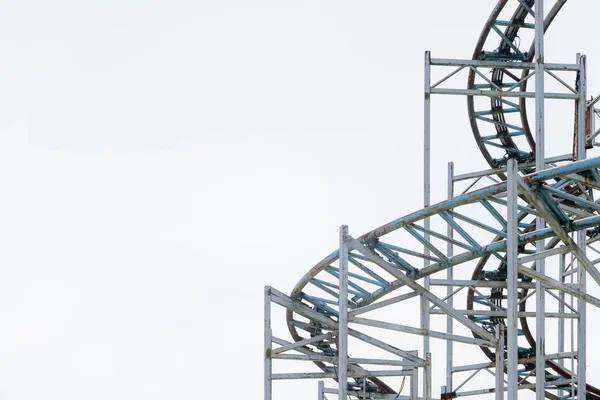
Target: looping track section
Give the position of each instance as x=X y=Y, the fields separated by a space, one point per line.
x=497 y=276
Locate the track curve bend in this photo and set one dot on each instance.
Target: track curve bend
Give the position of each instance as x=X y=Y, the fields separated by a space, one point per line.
x=501 y=131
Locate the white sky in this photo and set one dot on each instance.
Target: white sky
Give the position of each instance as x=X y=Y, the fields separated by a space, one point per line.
x=163 y=160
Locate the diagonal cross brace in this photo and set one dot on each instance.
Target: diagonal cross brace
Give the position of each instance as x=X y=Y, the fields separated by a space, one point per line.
x=554 y=284
x=300 y=343
x=301 y=309
x=560 y=231
x=411 y=283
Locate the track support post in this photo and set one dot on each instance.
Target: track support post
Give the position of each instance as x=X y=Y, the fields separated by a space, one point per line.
x=426 y=203
x=427 y=376
x=511 y=258
x=343 y=315
x=414 y=381
x=540 y=165
x=500 y=363
x=268 y=343
x=450 y=290
x=581 y=238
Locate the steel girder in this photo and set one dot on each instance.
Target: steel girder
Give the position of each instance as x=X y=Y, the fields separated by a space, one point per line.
x=467 y=235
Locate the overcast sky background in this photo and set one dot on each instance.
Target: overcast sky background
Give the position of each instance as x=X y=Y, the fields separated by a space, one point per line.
x=162 y=161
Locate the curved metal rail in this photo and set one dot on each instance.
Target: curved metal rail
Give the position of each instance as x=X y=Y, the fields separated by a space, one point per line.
x=567 y=191
x=500 y=141
x=499 y=112
x=368 y=283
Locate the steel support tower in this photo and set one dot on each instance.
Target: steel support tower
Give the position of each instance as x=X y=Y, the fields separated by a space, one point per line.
x=499 y=270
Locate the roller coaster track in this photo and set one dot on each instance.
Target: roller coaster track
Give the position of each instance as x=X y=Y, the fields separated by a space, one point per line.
x=503 y=139
x=467 y=233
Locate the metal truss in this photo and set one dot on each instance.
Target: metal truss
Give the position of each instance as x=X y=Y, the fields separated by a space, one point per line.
x=498 y=270
x=592 y=117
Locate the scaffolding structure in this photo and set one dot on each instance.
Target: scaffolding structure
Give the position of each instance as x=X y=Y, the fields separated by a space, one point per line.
x=499 y=270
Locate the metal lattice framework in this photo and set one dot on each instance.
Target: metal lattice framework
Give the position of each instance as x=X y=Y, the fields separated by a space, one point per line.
x=504 y=263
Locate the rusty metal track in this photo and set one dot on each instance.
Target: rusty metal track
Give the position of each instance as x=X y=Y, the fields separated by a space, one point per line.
x=502 y=132
x=368 y=284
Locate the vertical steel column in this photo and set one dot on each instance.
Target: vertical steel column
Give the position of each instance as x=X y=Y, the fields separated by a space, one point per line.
x=561 y=307
x=561 y=310
x=581 y=108
x=539 y=87
x=500 y=363
x=512 y=243
x=321 y=395
x=581 y=236
x=268 y=343
x=592 y=120
x=343 y=315
x=450 y=301
x=573 y=330
x=540 y=164
x=581 y=328
x=427 y=374
x=414 y=384
x=427 y=134
x=426 y=203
